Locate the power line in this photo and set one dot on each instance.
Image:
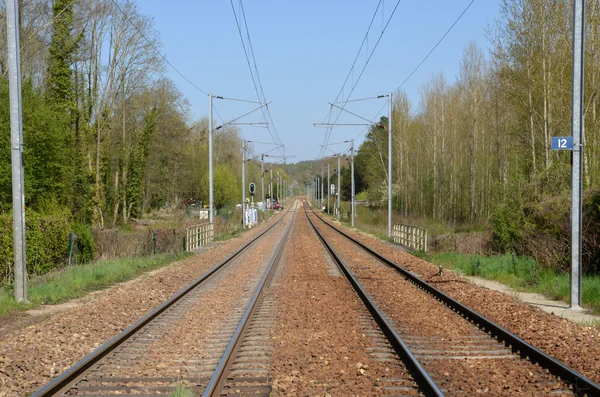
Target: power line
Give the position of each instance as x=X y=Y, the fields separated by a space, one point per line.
x=350 y=73
x=256 y=81
x=257 y=73
x=421 y=63
x=156 y=49
x=358 y=52
x=436 y=45
x=328 y=134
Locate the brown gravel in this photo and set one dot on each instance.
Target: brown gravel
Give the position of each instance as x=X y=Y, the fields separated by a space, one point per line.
x=575 y=345
x=31 y=357
x=173 y=354
x=320 y=345
x=417 y=314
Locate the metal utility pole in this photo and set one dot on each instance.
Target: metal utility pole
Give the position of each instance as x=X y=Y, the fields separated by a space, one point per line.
x=328 y=190
x=352 y=172
x=339 y=188
x=271 y=188
x=390 y=166
x=262 y=178
x=577 y=132
x=210 y=160
x=244 y=183
x=16 y=138
x=322 y=189
x=278 y=187
x=317 y=193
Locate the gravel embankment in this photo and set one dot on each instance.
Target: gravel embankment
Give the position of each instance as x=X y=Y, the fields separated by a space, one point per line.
x=575 y=345
x=31 y=357
x=416 y=314
x=320 y=344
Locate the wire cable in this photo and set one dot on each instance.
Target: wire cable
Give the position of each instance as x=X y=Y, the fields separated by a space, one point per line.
x=436 y=45
x=255 y=75
x=328 y=134
x=420 y=63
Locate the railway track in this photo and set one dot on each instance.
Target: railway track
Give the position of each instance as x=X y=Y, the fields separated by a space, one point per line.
x=127 y=364
x=215 y=337
x=461 y=351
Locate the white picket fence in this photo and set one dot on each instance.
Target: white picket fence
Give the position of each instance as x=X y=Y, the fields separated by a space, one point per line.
x=199 y=235
x=410 y=236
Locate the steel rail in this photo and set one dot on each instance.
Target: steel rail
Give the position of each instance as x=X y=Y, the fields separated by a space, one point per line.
x=66 y=378
x=426 y=384
x=217 y=380
x=582 y=385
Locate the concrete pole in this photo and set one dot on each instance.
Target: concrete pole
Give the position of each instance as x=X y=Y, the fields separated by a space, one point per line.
x=328 y=190
x=210 y=160
x=271 y=188
x=339 y=188
x=390 y=166
x=262 y=180
x=577 y=133
x=352 y=172
x=16 y=137
x=322 y=189
x=317 y=191
x=244 y=182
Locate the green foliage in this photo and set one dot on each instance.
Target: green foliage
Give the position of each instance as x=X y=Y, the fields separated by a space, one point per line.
x=521 y=273
x=362 y=196
x=46 y=242
x=182 y=391
x=46 y=154
x=507 y=225
x=226 y=187
x=61 y=51
x=76 y=281
x=84 y=246
x=137 y=164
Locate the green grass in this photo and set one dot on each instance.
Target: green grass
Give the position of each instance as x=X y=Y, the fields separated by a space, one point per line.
x=181 y=391
x=228 y=235
x=522 y=274
x=76 y=281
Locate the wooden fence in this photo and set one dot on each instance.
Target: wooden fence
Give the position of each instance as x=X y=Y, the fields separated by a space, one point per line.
x=198 y=236
x=410 y=236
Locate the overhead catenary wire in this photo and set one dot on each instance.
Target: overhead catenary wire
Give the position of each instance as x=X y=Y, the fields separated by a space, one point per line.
x=268 y=111
x=436 y=45
x=464 y=11
x=328 y=134
x=254 y=73
x=351 y=71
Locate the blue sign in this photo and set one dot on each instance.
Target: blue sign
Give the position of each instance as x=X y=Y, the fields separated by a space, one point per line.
x=562 y=143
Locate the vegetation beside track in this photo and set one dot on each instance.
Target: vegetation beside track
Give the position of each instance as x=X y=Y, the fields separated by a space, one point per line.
x=520 y=273
x=76 y=281
x=182 y=391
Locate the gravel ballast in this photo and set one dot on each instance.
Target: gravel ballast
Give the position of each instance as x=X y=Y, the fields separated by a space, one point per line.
x=33 y=356
x=575 y=345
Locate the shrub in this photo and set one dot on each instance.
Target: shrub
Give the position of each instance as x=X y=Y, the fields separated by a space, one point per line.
x=84 y=244
x=46 y=242
x=507 y=224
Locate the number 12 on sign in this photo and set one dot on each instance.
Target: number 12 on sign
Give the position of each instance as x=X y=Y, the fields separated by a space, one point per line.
x=562 y=143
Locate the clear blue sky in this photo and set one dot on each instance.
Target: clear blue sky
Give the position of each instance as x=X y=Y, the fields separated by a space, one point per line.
x=304 y=50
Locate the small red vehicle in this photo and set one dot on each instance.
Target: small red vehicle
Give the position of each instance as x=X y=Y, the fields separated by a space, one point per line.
x=276 y=206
